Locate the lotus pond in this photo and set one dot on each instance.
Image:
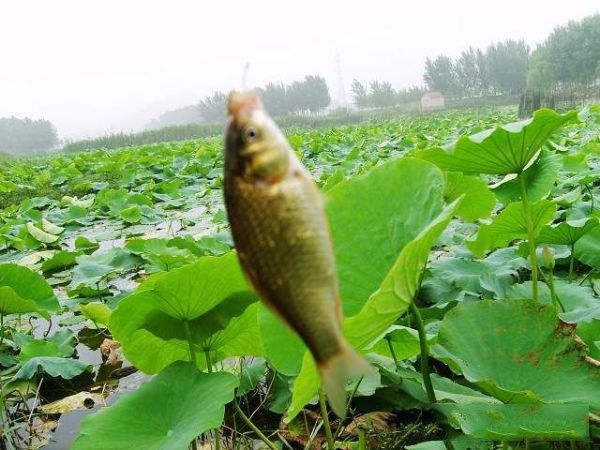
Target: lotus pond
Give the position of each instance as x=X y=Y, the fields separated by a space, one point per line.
x=468 y=252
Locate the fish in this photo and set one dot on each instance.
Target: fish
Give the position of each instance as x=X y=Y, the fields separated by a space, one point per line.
x=282 y=238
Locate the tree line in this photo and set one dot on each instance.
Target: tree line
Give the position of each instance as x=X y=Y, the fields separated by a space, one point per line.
x=26 y=135
x=499 y=69
x=568 y=58
x=381 y=94
x=309 y=95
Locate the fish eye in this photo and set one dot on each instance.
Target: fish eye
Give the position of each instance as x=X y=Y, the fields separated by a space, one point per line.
x=251 y=134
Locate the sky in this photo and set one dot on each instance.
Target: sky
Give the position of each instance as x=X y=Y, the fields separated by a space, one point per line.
x=93 y=67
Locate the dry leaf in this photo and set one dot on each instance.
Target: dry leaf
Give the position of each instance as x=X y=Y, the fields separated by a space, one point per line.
x=112 y=350
x=81 y=400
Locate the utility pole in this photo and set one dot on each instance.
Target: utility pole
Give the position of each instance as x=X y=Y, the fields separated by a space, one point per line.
x=341 y=100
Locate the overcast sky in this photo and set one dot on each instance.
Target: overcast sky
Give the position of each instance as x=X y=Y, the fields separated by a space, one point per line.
x=98 y=66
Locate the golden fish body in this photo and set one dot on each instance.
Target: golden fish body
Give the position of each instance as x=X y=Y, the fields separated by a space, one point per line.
x=281 y=234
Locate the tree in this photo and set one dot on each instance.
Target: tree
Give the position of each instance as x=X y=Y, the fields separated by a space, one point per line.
x=412 y=94
x=316 y=92
x=484 y=72
x=26 y=135
x=440 y=76
x=275 y=99
x=569 y=56
x=468 y=73
x=382 y=94
x=507 y=64
x=359 y=94
x=213 y=108
x=310 y=94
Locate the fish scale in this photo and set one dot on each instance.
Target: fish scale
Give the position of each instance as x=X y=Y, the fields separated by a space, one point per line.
x=285 y=233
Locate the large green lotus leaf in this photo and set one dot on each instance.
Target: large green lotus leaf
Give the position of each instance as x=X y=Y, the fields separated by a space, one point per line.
x=510 y=225
x=579 y=302
x=60 y=261
x=7 y=186
x=529 y=354
x=479 y=200
x=54 y=366
x=478 y=276
x=516 y=422
x=383 y=307
x=283 y=347
x=51 y=228
x=445 y=389
x=210 y=295
x=160 y=256
x=566 y=233
x=133 y=214
x=168 y=412
x=113 y=200
x=459 y=442
x=40 y=235
x=397 y=290
x=539 y=179
x=86 y=245
x=169 y=187
x=92 y=269
x=12 y=303
x=502 y=150
x=403 y=340
x=73 y=215
x=373 y=216
x=587 y=249
x=250 y=376
x=190 y=291
x=26 y=285
x=60 y=344
x=97 y=312
x=590 y=334
x=81 y=203
x=230 y=329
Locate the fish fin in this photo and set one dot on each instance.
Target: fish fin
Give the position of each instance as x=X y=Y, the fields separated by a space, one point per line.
x=336 y=371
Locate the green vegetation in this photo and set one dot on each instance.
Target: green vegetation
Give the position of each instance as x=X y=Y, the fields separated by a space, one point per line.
x=289 y=122
x=467 y=248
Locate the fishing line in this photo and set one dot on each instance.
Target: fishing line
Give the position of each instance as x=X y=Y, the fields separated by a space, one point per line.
x=245 y=75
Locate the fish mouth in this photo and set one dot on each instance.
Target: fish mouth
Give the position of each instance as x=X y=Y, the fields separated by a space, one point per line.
x=242 y=104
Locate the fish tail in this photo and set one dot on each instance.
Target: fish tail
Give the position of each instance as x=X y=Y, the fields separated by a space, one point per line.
x=336 y=371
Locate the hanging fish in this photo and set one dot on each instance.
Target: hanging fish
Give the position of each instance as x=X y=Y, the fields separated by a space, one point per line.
x=281 y=234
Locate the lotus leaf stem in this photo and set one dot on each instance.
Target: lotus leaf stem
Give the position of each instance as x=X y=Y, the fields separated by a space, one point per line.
x=209 y=367
x=253 y=427
x=326 y=424
x=188 y=336
x=530 y=238
x=393 y=352
x=571 y=263
x=362 y=439
x=425 y=368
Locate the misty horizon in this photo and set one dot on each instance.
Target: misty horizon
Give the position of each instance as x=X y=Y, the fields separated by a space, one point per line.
x=136 y=61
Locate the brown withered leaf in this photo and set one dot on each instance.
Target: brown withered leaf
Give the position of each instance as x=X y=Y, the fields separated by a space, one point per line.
x=81 y=400
x=112 y=350
x=376 y=421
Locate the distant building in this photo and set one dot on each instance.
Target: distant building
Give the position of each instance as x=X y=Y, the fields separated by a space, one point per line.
x=432 y=101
